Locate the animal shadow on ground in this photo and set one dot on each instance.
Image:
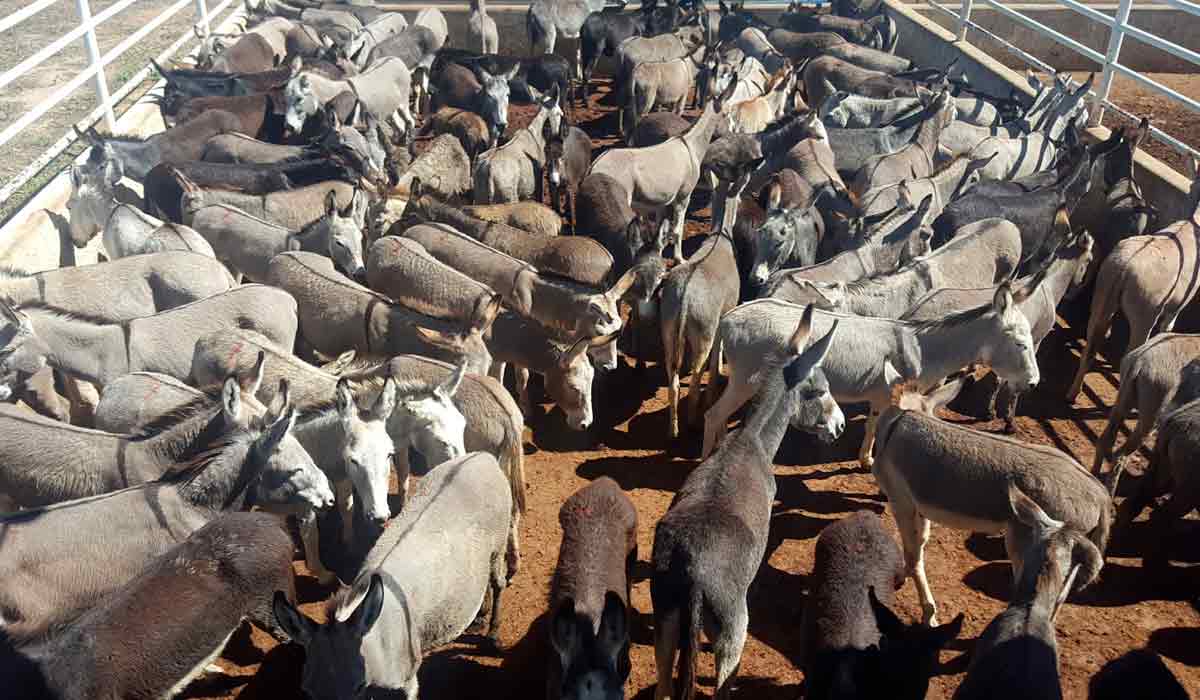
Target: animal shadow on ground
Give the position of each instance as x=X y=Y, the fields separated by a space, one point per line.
x=1179 y=643
x=648 y=472
x=1140 y=537
x=452 y=673
x=241 y=649
x=795 y=491
x=747 y=687
x=1118 y=585
x=278 y=676
x=986 y=547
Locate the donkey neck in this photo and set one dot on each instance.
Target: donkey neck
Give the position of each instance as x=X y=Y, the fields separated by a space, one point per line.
x=322 y=433
x=96 y=352
x=768 y=422
x=222 y=484
x=137 y=157
x=698 y=138
x=944 y=349
x=947 y=182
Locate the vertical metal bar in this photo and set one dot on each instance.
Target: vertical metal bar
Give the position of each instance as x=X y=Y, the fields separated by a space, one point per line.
x=1115 y=38
x=93 y=52
x=202 y=16
x=964 y=17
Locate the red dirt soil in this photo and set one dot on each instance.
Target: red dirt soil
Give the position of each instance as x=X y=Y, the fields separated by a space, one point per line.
x=1127 y=608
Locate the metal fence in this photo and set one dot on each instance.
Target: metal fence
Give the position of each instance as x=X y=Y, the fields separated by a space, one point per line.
x=1119 y=29
x=94 y=72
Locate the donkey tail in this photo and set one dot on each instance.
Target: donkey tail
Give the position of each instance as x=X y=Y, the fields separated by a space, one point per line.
x=537 y=34
x=514 y=460
x=689 y=642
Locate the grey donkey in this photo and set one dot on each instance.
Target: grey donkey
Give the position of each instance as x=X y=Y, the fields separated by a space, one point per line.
x=545 y=20
x=590 y=593
x=420 y=587
x=933 y=470
x=203 y=588
x=709 y=545
x=513 y=171
x=1017 y=654
x=481 y=29
x=854 y=645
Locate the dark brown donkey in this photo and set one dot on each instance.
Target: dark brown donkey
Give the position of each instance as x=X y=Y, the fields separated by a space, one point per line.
x=185 y=606
x=589 y=597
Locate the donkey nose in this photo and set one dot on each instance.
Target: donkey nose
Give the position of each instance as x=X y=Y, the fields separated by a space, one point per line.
x=360 y=275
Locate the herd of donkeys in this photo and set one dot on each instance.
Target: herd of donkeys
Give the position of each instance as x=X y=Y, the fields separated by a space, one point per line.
x=340 y=242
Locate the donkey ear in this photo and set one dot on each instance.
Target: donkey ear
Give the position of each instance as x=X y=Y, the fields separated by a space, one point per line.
x=295 y=624
x=76 y=176
x=270 y=441
x=1027 y=511
x=564 y=633
x=889 y=625
x=613 y=633
x=331 y=203
x=231 y=400
x=280 y=401
x=800 y=368
x=891 y=376
x=574 y=352
x=1003 y=299
x=452 y=381
x=114 y=170
x=1143 y=130
x=253 y=379
x=944 y=394
x=344 y=398
x=799 y=339
x=367 y=613
x=386 y=401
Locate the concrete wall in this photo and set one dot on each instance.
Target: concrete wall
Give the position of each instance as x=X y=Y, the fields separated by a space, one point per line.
x=1176 y=26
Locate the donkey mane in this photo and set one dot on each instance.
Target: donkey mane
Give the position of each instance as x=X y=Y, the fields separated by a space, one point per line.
x=10 y=272
x=955 y=319
x=207 y=453
x=64 y=314
x=123 y=138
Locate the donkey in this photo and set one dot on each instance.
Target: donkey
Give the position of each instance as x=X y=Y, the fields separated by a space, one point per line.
x=1037 y=296
x=246 y=244
x=61 y=560
x=665 y=175
x=430 y=391
x=847 y=111
x=575 y=258
x=1132 y=280
x=1171 y=467
x=853 y=643
x=533 y=217
x=990 y=250
x=566 y=371
x=481 y=29
x=1017 y=654
x=604 y=30
x=946 y=185
x=1125 y=211
x=710 y=543
x=995 y=333
x=787 y=236
x=207 y=584
x=181 y=143
x=921 y=460
x=402 y=269
x=590 y=593
x=98 y=352
x=1152 y=379
x=120 y=290
x=639 y=49
x=468 y=127
x=663 y=84
x=291 y=209
x=384 y=91
x=256 y=112
x=477 y=91
x=381 y=29
x=568 y=157
x=605 y=215
x=444 y=169
x=878 y=32
x=692 y=300
x=546 y=19
x=441 y=559
x=914 y=160
x=755 y=115
x=826 y=75
x=337 y=314
x=514 y=171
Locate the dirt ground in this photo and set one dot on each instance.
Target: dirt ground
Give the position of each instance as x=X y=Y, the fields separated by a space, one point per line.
x=1128 y=608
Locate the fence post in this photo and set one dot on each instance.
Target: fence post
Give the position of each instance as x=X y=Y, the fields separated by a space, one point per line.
x=93 y=52
x=1115 y=38
x=964 y=16
x=202 y=15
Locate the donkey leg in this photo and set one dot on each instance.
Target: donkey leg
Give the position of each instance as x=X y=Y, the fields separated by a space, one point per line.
x=694 y=381
x=499 y=581
x=678 y=216
x=666 y=643
x=865 y=458
x=914 y=533
x=1097 y=328
x=727 y=648
x=521 y=379
x=1131 y=445
x=311 y=539
x=673 y=402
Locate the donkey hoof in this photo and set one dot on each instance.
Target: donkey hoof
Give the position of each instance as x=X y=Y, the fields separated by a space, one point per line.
x=929 y=618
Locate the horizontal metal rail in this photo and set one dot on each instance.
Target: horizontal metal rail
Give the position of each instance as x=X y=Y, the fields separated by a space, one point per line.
x=24 y=13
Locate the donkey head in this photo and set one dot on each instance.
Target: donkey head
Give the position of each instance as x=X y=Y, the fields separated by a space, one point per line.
x=22 y=352
x=555 y=141
x=334 y=668
x=1054 y=555
x=301 y=102
x=811 y=407
x=93 y=196
x=550 y=105
x=368 y=448
x=366 y=156
x=428 y=416
x=469 y=342
x=908 y=654
x=1118 y=165
x=593 y=666
x=342 y=236
x=287 y=475
x=493 y=100
x=907 y=397
x=570 y=385
x=1010 y=350
x=786 y=235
